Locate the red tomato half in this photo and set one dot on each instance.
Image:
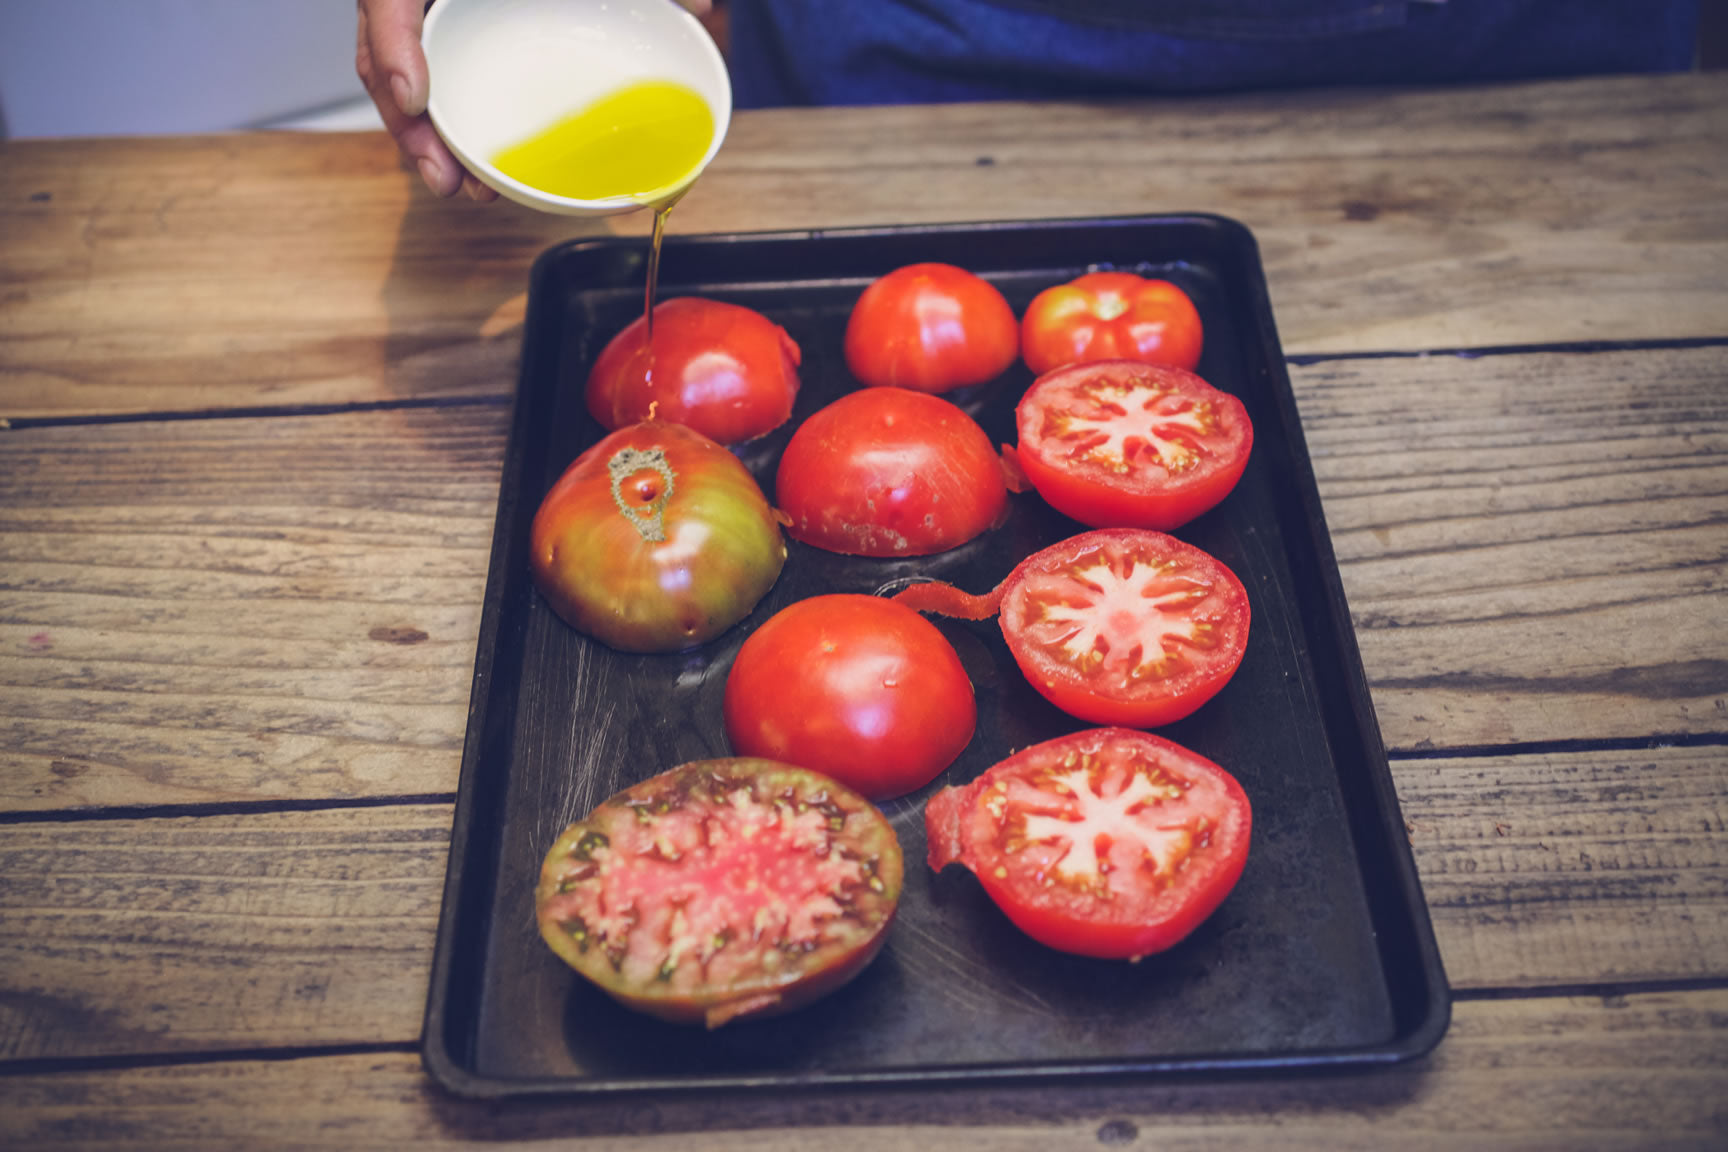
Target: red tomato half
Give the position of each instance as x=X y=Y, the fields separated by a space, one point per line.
x=722 y=889
x=1118 y=626
x=1120 y=444
x=856 y=687
x=888 y=472
x=1110 y=316
x=1108 y=843
x=931 y=327
x=725 y=370
x=654 y=540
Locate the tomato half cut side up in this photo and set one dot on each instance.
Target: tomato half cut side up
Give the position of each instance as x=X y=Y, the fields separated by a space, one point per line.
x=722 y=889
x=1115 y=626
x=1119 y=444
x=1109 y=843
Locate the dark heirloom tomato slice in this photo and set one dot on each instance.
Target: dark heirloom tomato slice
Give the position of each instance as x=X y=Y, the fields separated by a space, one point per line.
x=1115 y=626
x=1119 y=444
x=890 y=472
x=857 y=687
x=725 y=370
x=1109 y=842
x=1110 y=316
x=722 y=889
x=654 y=540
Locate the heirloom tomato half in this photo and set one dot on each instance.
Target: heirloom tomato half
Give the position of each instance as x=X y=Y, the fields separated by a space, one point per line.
x=1119 y=444
x=654 y=540
x=1110 y=316
x=1109 y=842
x=725 y=370
x=722 y=889
x=931 y=327
x=890 y=472
x=857 y=687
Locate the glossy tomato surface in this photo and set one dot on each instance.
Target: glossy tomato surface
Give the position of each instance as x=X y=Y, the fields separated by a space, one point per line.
x=1124 y=444
x=931 y=327
x=654 y=540
x=1109 y=842
x=889 y=472
x=1110 y=316
x=725 y=370
x=857 y=687
x=722 y=889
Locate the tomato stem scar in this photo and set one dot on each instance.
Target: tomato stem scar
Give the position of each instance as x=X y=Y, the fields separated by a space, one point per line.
x=626 y=462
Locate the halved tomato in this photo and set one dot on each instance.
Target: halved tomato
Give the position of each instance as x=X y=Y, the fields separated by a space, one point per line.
x=1108 y=842
x=1116 y=626
x=1123 y=444
x=1110 y=316
x=722 y=889
x=931 y=327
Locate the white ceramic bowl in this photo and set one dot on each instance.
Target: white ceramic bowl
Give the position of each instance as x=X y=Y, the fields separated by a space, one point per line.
x=503 y=70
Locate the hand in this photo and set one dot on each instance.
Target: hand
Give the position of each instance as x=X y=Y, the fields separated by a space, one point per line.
x=393 y=68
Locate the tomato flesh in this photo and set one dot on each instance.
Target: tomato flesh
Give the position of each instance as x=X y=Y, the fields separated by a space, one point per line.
x=1109 y=842
x=725 y=370
x=930 y=327
x=655 y=539
x=722 y=889
x=1110 y=316
x=857 y=687
x=1119 y=444
x=889 y=472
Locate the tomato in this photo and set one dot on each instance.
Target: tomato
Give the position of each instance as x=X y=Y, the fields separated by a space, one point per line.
x=1110 y=316
x=655 y=539
x=931 y=327
x=857 y=687
x=1108 y=842
x=887 y=472
x=1115 y=626
x=725 y=370
x=1123 y=444
x=722 y=889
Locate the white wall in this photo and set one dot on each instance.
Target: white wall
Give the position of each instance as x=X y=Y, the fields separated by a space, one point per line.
x=141 y=67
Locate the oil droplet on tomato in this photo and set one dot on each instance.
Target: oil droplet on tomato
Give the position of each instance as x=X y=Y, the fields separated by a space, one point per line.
x=638 y=142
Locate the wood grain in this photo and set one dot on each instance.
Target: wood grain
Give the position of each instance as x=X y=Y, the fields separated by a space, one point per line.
x=235 y=932
x=185 y=274
x=1643 y=1072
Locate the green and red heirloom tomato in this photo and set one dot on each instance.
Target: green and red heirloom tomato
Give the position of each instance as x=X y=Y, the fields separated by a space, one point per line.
x=654 y=540
x=890 y=472
x=1110 y=316
x=857 y=687
x=1130 y=445
x=931 y=327
x=1116 y=626
x=1109 y=842
x=725 y=370
x=722 y=889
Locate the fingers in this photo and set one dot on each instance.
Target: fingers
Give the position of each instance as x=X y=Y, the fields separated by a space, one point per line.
x=392 y=66
x=697 y=7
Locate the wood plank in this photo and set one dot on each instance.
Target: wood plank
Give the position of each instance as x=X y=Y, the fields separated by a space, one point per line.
x=1646 y=1072
x=315 y=928
x=185 y=274
x=1492 y=512
x=234 y=609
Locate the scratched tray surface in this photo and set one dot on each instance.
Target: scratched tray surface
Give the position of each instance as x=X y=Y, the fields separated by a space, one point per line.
x=1322 y=955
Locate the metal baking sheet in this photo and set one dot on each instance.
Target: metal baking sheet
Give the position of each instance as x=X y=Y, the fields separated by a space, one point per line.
x=1322 y=956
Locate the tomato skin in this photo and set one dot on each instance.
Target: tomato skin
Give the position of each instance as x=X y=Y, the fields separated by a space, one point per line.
x=722 y=889
x=1170 y=832
x=670 y=552
x=890 y=472
x=856 y=687
x=1110 y=316
x=725 y=370
x=930 y=327
x=1122 y=444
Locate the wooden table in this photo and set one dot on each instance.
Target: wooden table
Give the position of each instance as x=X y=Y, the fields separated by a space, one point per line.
x=257 y=390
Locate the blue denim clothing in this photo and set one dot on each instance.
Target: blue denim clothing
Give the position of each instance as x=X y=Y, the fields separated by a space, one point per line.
x=917 y=51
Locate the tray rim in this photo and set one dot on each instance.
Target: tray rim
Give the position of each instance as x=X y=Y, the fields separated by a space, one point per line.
x=1415 y=1033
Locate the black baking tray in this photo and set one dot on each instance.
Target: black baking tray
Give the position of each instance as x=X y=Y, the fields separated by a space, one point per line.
x=1323 y=956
